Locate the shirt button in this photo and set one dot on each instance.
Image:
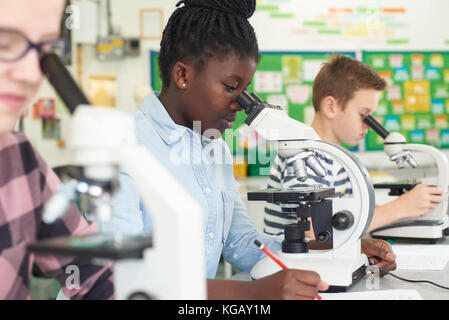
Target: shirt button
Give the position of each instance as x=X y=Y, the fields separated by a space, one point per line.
x=211 y=235
x=207 y=190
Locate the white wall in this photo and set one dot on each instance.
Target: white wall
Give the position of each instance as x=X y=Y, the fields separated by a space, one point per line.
x=130 y=72
x=424 y=23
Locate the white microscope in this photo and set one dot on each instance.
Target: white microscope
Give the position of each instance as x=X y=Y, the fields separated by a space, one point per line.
x=434 y=225
x=170 y=264
x=339 y=222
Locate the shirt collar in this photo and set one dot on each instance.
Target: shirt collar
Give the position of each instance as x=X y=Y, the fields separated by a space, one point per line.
x=168 y=130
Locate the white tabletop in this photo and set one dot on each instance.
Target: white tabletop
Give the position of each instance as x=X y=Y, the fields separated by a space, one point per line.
x=427 y=291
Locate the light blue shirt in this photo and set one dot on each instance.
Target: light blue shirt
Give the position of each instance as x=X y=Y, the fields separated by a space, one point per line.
x=204 y=168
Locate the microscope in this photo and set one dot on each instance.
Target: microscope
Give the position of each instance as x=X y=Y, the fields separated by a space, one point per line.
x=338 y=223
x=432 y=226
x=168 y=265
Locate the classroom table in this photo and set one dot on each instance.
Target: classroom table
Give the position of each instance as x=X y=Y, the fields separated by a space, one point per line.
x=427 y=291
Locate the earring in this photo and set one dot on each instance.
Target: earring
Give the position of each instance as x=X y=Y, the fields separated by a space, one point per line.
x=184 y=85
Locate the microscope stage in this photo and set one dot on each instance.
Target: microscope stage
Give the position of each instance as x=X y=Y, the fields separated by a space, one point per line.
x=273 y=195
x=104 y=246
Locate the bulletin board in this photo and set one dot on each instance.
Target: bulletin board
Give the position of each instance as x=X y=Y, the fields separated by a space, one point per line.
x=281 y=78
x=416 y=101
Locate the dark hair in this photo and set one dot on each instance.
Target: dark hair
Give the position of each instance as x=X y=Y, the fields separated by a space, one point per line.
x=341 y=77
x=205 y=29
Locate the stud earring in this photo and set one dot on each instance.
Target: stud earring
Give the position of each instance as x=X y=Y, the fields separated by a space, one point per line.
x=184 y=85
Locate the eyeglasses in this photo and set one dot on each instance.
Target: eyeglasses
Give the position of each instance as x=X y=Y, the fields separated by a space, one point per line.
x=14 y=45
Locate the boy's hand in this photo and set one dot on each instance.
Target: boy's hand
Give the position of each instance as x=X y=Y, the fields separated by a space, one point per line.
x=379 y=253
x=419 y=200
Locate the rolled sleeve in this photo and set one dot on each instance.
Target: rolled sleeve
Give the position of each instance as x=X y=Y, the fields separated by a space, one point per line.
x=239 y=248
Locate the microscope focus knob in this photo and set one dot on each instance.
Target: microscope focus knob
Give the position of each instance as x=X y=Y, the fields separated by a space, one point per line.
x=343 y=220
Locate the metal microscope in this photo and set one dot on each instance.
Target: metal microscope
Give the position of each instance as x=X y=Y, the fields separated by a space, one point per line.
x=339 y=223
x=432 y=226
x=170 y=264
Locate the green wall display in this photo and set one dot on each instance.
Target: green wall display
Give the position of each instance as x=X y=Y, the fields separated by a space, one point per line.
x=416 y=101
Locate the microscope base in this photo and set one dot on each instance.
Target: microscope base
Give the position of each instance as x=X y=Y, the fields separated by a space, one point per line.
x=432 y=231
x=339 y=273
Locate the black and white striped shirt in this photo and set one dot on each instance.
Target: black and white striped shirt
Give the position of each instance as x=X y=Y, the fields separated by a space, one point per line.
x=337 y=177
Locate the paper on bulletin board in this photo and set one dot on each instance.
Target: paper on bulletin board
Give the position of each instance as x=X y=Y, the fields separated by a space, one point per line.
x=394 y=93
x=417 y=72
x=378 y=61
x=417 y=96
x=436 y=60
x=433 y=136
x=298 y=93
x=268 y=81
x=102 y=90
x=311 y=69
x=408 y=122
x=441 y=121
x=387 y=76
x=292 y=68
x=398 y=107
x=396 y=60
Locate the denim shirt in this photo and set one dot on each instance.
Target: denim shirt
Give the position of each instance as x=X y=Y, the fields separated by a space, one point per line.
x=204 y=168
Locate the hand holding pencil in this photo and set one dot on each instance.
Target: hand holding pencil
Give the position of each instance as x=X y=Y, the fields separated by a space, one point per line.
x=306 y=283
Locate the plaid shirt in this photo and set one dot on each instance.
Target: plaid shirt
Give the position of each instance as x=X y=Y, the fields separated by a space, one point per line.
x=26 y=183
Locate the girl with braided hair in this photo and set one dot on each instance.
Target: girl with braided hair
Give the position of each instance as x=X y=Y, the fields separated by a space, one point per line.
x=208 y=56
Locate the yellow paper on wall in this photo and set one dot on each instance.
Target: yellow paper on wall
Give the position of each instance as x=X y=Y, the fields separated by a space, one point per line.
x=408 y=122
x=417 y=96
x=102 y=90
x=436 y=60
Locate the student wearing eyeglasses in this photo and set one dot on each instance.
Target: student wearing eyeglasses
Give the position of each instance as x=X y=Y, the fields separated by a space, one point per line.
x=29 y=28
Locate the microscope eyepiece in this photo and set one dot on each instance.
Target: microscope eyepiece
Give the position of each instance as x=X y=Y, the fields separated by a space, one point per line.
x=60 y=78
x=246 y=100
x=376 y=126
x=252 y=105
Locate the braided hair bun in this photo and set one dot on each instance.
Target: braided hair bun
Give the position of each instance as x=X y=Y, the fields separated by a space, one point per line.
x=243 y=8
x=205 y=29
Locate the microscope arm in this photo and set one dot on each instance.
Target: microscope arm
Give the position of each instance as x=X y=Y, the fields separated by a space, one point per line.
x=396 y=144
x=440 y=159
x=396 y=147
x=103 y=139
x=177 y=235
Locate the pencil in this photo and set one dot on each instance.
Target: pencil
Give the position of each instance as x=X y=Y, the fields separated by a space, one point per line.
x=276 y=259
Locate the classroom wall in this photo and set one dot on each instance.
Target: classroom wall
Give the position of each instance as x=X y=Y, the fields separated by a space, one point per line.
x=352 y=24
x=130 y=73
x=281 y=25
